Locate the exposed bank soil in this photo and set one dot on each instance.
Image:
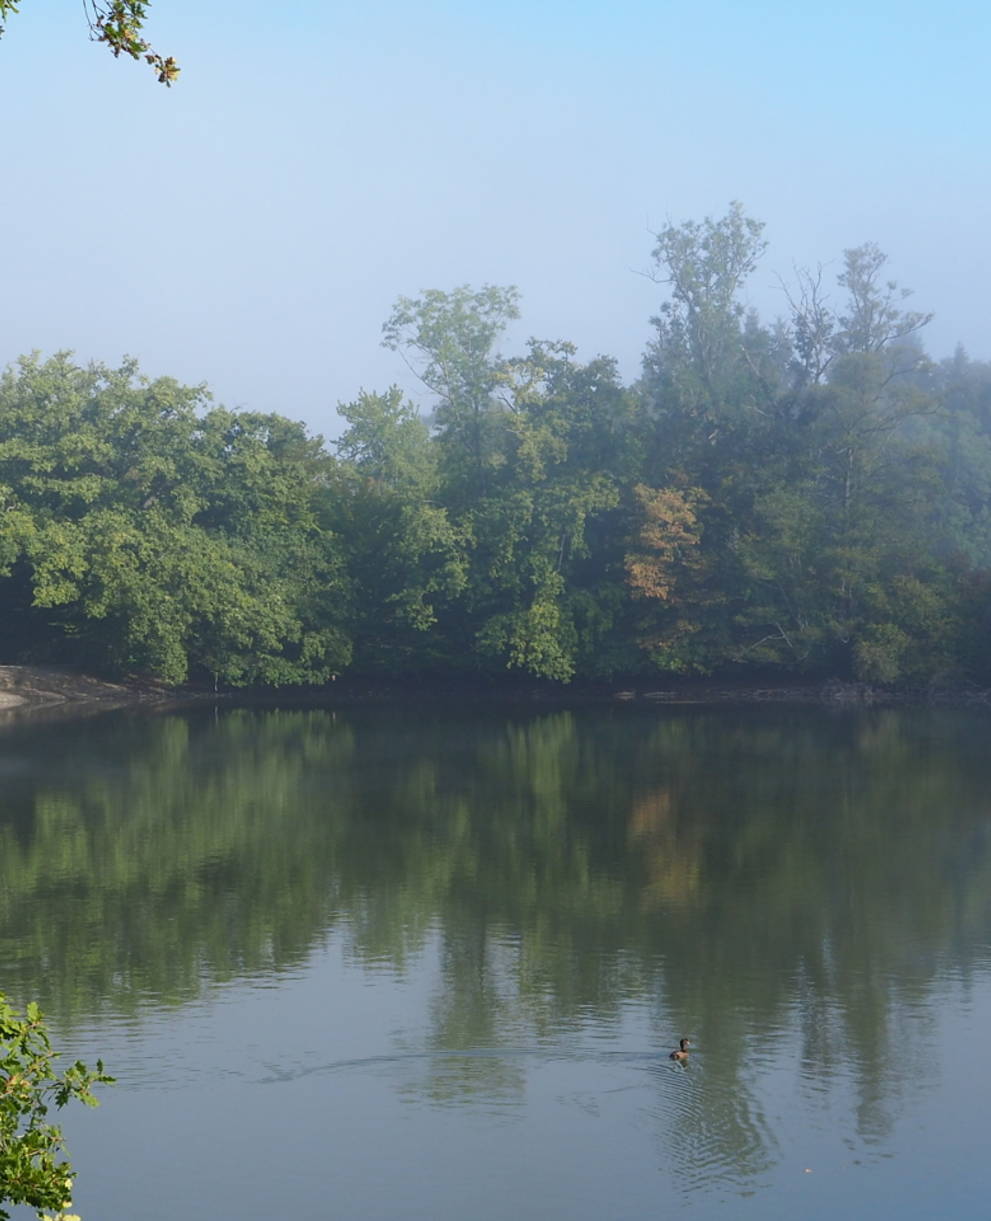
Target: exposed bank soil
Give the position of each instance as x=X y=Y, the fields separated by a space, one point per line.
x=31 y=689
x=40 y=687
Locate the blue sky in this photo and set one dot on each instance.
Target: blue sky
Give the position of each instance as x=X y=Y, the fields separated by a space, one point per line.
x=251 y=227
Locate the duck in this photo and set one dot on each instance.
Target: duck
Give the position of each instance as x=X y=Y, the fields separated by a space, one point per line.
x=681 y=1053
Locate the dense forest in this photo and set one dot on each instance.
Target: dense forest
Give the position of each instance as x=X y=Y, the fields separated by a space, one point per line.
x=805 y=498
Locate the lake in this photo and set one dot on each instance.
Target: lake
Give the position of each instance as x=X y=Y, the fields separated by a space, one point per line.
x=429 y=962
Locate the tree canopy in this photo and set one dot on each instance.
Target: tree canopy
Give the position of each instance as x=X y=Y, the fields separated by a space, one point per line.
x=806 y=497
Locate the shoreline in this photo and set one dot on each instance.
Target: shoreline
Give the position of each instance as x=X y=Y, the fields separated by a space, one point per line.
x=45 y=688
x=26 y=690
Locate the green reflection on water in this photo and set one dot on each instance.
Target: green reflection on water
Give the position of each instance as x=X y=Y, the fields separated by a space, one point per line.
x=749 y=876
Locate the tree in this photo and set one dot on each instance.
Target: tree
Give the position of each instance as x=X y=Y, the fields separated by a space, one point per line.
x=405 y=558
x=696 y=368
x=840 y=528
x=874 y=319
x=535 y=585
x=961 y=429
x=448 y=339
x=140 y=533
x=667 y=569
x=32 y=1168
x=119 y=25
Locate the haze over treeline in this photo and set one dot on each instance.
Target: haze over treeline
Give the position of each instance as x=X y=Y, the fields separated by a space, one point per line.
x=804 y=496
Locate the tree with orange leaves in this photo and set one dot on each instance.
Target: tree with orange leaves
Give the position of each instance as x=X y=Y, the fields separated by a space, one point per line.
x=667 y=567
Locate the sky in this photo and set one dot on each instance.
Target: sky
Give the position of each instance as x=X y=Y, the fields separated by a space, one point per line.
x=251 y=227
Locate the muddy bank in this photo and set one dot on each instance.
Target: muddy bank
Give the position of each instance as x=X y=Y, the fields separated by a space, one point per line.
x=28 y=690
x=38 y=688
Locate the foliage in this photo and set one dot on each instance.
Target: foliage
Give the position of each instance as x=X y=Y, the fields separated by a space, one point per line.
x=698 y=368
x=404 y=555
x=808 y=497
x=666 y=568
x=668 y=536
x=32 y=1169
x=531 y=529
x=147 y=532
x=448 y=339
x=119 y=25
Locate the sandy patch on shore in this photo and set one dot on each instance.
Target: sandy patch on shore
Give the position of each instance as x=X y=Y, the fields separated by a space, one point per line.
x=39 y=687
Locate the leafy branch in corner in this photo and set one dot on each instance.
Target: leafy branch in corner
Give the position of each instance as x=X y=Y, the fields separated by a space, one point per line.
x=120 y=25
x=33 y=1170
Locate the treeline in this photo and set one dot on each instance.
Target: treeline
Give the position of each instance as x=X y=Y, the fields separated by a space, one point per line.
x=807 y=497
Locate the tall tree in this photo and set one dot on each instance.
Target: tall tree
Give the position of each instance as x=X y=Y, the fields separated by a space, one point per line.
x=709 y=393
x=535 y=587
x=697 y=378
x=405 y=557
x=449 y=340
x=841 y=526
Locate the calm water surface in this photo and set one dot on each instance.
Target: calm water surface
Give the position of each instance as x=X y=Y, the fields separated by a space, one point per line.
x=429 y=964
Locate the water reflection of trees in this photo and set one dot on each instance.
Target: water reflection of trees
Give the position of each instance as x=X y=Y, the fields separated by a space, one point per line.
x=756 y=877
x=140 y=857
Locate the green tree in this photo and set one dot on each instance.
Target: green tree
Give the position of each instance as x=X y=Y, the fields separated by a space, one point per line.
x=143 y=531
x=32 y=1166
x=960 y=433
x=708 y=398
x=805 y=440
x=840 y=560
x=536 y=588
x=405 y=557
x=699 y=377
x=449 y=340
